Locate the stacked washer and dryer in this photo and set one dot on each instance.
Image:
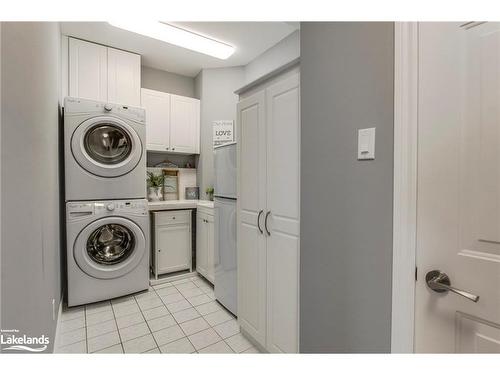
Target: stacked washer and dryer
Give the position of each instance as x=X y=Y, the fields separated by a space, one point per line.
x=107 y=222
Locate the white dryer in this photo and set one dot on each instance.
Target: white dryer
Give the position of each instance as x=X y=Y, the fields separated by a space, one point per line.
x=107 y=249
x=104 y=150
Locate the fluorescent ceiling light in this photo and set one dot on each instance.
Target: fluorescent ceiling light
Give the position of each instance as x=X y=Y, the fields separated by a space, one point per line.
x=179 y=37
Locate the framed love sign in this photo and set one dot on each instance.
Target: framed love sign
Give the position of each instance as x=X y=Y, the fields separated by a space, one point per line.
x=223 y=131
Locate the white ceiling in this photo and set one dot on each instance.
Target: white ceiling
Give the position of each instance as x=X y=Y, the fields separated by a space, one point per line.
x=249 y=38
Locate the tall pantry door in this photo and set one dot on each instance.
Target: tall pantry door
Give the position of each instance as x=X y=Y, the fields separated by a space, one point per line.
x=251 y=205
x=282 y=216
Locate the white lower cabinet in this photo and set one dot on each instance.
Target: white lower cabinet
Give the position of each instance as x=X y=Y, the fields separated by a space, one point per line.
x=268 y=214
x=205 y=244
x=171 y=241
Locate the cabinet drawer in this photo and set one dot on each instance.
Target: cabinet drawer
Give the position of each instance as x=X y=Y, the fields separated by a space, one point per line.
x=172 y=217
x=200 y=210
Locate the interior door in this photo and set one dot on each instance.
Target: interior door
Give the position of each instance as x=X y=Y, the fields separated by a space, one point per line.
x=251 y=204
x=157 y=106
x=88 y=74
x=458 y=209
x=282 y=216
x=124 y=77
x=184 y=124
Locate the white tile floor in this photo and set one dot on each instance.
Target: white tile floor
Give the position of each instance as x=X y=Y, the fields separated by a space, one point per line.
x=177 y=317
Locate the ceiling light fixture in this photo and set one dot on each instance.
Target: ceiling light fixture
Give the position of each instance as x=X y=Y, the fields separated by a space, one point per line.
x=179 y=37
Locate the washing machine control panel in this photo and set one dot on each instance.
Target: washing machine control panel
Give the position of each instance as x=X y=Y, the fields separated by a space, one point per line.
x=77 y=210
x=137 y=207
x=77 y=105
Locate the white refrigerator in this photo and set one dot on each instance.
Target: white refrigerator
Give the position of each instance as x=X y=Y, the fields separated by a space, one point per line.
x=225 y=226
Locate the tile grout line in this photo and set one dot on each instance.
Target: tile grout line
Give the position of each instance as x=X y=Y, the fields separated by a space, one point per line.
x=147 y=325
x=117 y=329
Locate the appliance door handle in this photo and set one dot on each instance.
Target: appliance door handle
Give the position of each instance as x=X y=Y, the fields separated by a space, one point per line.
x=258 y=221
x=439 y=282
x=265 y=223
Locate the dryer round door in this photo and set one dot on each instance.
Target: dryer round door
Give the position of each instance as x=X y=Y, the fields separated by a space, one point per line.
x=109 y=247
x=106 y=146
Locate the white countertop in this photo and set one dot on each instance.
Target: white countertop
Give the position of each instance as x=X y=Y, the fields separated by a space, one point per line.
x=178 y=204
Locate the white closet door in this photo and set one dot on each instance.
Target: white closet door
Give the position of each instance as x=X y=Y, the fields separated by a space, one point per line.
x=184 y=124
x=283 y=202
x=88 y=70
x=251 y=145
x=124 y=77
x=157 y=106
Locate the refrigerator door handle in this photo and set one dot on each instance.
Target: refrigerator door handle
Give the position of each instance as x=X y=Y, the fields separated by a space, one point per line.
x=258 y=221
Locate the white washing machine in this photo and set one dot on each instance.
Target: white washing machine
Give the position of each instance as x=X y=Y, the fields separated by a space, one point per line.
x=107 y=249
x=104 y=150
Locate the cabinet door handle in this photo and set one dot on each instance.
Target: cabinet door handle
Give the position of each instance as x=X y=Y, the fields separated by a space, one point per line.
x=265 y=223
x=173 y=148
x=167 y=148
x=258 y=221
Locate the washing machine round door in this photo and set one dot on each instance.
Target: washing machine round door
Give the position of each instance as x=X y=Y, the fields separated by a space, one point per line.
x=109 y=248
x=106 y=146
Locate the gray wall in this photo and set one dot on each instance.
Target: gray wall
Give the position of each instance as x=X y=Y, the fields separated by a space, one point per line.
x=215 y=88
x=346 y=205
x=172 y=83
x=283 y=52
x=30 y=242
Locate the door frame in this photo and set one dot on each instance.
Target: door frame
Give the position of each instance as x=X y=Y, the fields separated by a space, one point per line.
x=405 y=186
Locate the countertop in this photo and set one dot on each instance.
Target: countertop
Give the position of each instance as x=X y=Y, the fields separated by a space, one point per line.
x=178 y=204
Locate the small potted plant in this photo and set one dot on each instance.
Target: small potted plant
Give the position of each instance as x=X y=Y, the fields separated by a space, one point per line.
x=210 y=193
x=155 y=186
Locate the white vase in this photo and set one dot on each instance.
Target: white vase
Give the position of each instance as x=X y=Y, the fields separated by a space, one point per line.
x=154 y=194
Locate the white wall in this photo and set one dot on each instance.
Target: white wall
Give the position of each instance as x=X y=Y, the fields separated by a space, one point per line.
x=215 y=88
x=30 y=178
x=283 y=52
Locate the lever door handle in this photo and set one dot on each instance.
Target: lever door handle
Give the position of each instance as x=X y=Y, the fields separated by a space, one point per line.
x=265 y=223
x=258 y=221
x=439 y=282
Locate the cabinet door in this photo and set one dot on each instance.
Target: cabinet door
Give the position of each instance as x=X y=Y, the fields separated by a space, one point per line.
x=157 y=106
x=184 y=124
x=124 y=77
x=210 y=248
x=88 y=70
x=173 y=247
x=201 y=244
x=283 y=202
x=251 y=243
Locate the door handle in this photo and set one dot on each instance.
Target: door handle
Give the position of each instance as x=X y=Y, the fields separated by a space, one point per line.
x=265 y=223
x=440 y=283
x=258 y=221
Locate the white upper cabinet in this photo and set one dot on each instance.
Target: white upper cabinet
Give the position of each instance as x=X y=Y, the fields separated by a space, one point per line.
x=88 y=70
x=157 y=106
x=184 y=124
x=172 y=122
x=102 y=73
x=124 y=77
